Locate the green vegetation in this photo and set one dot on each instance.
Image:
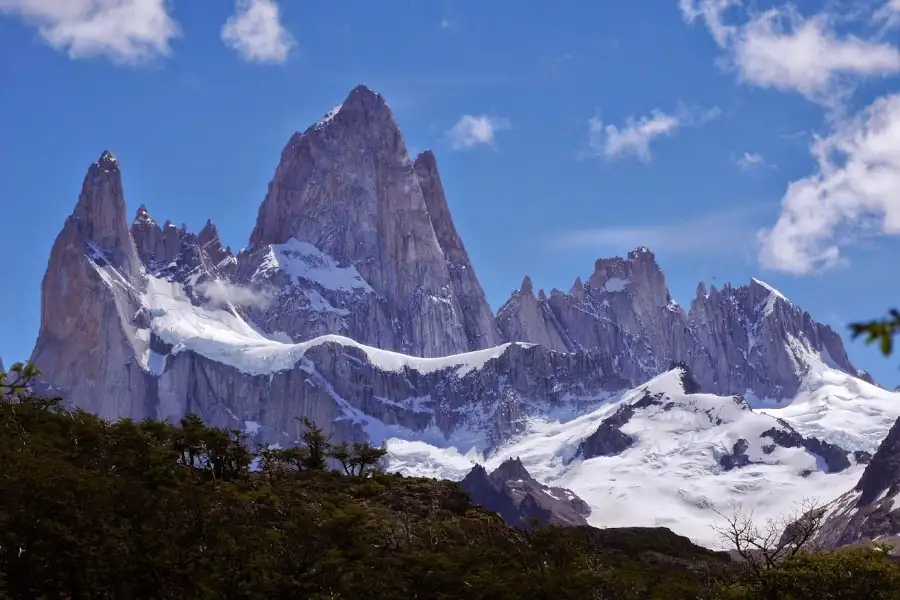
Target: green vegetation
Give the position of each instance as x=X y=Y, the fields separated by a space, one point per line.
x=126 y=510
x=879 y=330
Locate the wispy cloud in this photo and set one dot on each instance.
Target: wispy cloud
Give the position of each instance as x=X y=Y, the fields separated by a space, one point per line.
x=256 y=33
x=781 y=49
x=221 y=294
x=750 y=160
x=636 y=135
x=852 y=195
x=471 y=131
x=129 y=32
x=726 y=231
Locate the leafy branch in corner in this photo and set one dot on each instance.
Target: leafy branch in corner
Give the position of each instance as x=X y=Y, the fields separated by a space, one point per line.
x=17 y=380
x=879 y=330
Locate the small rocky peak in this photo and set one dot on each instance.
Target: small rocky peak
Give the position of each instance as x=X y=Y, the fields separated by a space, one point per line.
x=208 y=234
x=511 y=469
x=209 y=241
x=761 y=294
x=107 y=162
x=169 y=225
x=638 y=274
x=883 y=472
x=426 y=164
x=146 y=234
x=701 y=292
x=527 y=287
x=688 y=382
x=142 y=216
x=557 y=293
x=542 y=295
x=364 y=98
x=642 y=254
x=477 y=478
x=100 y=213
x=577 y=289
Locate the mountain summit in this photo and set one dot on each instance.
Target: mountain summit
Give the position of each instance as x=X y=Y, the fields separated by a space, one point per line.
x=348 y=188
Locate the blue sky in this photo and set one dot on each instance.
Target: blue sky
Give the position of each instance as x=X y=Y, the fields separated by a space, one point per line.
x=735 y=139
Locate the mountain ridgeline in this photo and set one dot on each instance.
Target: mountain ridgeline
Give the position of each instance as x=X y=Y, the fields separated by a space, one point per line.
x=356 y=304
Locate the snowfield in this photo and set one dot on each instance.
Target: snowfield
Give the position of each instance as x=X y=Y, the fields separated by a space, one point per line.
x=671 y=476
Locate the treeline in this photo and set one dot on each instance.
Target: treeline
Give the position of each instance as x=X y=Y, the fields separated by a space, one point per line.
x=131 y=510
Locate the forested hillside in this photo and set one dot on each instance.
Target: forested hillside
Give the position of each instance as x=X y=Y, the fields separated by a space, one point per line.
x=125 y=510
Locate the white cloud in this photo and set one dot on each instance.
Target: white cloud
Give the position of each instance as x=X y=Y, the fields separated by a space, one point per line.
x=221 y=293
x=632 y=138
x=853 y=193
x=256 y=33
x=125 y=31
x=636 y=135
x=781 y=49
x=724 y=231
x=750 y=160
x=471 y=131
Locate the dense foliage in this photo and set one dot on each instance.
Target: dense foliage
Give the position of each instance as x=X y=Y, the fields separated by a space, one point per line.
x=126 y=510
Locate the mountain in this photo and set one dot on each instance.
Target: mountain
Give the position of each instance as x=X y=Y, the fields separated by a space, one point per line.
x=355 y=304
x=736 y=340
x=520 y=499
x=346 y=188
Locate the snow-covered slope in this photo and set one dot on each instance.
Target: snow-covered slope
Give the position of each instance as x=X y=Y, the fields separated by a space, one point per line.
x=224 y=336
x=673 y=473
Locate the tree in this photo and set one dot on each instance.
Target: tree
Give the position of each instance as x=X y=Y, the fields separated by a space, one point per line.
x=316 y=444
x=765 y=546
x=17 y=381
x=358 y=459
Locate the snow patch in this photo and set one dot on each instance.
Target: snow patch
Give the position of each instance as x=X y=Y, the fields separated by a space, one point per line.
x=303 y=261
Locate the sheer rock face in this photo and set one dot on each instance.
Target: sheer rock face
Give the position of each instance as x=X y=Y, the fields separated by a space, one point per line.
x=477 y=317
x=519 y=499
x=735 y=340
x=348 y=188
x=870 y=510
x=88 y=343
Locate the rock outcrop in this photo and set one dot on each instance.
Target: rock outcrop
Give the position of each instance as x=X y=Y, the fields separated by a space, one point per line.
x=520 y=500
x=736 y=340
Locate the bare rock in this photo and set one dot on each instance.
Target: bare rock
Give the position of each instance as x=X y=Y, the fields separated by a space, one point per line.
x=734 y=340
x=347 y=186
x=477 y=318
x=519 y=499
